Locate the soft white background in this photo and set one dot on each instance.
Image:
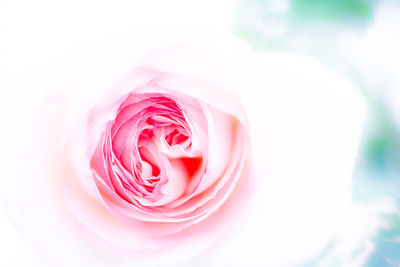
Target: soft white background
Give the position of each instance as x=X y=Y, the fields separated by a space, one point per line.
x=40 y=40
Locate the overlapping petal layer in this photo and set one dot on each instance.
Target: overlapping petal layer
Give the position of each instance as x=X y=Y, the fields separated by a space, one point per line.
x=161 y=163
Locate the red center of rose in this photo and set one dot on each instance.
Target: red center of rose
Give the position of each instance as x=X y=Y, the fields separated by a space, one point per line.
x=161 y=126
x=142 y=142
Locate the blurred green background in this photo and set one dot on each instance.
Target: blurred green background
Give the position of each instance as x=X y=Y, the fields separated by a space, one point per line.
x=360 y=40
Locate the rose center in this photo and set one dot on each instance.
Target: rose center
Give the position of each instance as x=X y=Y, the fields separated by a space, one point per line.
x=162 y=125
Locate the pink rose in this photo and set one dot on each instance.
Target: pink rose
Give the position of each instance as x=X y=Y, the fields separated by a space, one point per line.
x=82 y=196
x=147 y=160
x=160 y=165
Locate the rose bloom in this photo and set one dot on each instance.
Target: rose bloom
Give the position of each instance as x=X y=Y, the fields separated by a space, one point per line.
x=160 y=166
x=141 y=157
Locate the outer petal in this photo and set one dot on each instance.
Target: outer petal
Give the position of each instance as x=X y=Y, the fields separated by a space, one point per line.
x=306 y=125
